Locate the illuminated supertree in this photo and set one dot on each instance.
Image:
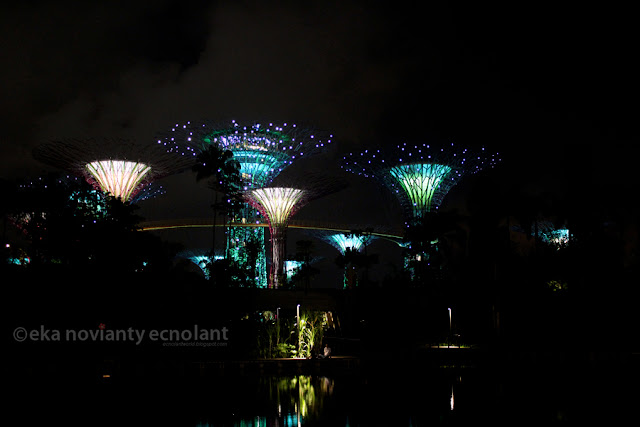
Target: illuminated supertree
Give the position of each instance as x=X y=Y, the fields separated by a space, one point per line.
x=420 y=175
x=348 y=241
x=118 y=167
x=201 y=258
x=350 y=245
x=263 y=151
x=278 y=205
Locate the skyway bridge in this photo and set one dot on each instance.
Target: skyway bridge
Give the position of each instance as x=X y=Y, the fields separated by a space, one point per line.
x=169 y=224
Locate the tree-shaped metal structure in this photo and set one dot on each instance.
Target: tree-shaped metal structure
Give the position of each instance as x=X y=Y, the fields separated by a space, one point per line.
x=420 y=175
x=278 y=204
x=263 y=150
x=200 y=257
x=119 y=167
x=350 y=245
x=355 y=240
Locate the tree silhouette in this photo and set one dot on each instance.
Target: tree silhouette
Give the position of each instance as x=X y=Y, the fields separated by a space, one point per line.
x=305 y=272
x=67 y=222
x=223 y=173
x=431 y=242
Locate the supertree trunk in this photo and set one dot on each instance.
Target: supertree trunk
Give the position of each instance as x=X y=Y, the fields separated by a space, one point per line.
x=278 y=255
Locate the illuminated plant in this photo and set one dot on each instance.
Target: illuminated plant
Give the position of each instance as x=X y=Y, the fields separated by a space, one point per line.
x=118 y=167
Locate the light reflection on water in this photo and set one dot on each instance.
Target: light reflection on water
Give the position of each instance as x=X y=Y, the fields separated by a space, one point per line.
x=382 y=394
x=308 y=400
x=465 y=396
x=399 y=397
x=291 y=401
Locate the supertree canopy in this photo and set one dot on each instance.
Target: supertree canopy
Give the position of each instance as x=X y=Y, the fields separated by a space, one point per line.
x=350 y=245
x=200 y=257
x=344 y=241
x=277 y=205
x=119 y=178
x=420 y=175
x=263 y=151
x=118 y=167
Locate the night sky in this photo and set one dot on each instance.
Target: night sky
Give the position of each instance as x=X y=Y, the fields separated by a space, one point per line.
x=552 y=88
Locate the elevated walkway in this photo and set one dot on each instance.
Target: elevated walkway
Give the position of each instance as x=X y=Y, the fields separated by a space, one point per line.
x=159 y=225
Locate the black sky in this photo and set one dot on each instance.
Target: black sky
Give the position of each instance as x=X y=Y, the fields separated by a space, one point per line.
x=551 y=86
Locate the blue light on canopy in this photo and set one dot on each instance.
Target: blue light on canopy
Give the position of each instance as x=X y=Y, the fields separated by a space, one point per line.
x=257 y=167
x=343 y=242
x=203 y=262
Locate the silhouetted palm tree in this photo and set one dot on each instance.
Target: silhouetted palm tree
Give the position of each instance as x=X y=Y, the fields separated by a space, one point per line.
x=223 y=172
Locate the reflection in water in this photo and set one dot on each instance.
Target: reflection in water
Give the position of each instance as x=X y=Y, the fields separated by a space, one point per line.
x=302 y=396
x=453 y=382
x=418 y=399
x=290 y=401
x=451 y=400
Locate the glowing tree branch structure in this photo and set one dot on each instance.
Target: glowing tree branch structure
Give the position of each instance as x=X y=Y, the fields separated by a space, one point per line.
x=201 y=258
x=355 y=241
x=347 y=244
x=117 y=167
x=263 y=151
x=278 y=205
x=421 y=176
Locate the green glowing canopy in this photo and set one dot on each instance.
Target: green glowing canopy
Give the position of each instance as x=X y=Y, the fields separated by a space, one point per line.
x=422 y=183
